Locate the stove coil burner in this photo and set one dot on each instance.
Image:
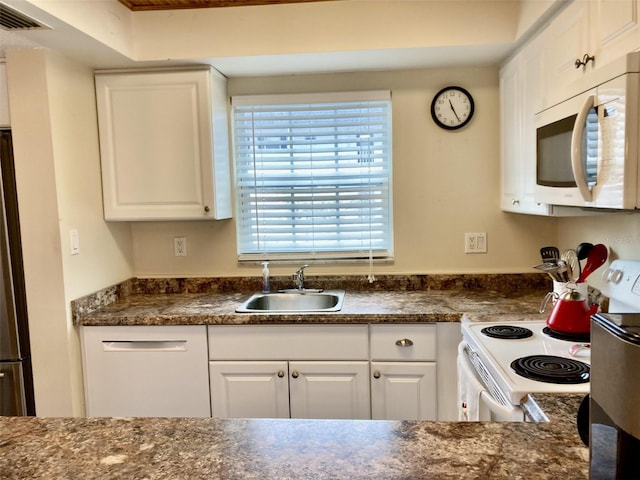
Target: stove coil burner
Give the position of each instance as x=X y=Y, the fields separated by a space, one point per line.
x=509 y=332
x=552 y=369
x=570 y=337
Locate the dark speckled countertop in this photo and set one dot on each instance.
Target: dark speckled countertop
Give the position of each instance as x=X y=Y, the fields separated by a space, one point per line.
x=398 y=301
x=98 y=448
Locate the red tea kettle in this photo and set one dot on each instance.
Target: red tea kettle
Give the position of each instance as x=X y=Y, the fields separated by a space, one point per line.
x=571 y=314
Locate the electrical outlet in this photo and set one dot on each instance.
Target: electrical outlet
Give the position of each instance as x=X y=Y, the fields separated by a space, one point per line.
x=475 y=242
x=180 y=246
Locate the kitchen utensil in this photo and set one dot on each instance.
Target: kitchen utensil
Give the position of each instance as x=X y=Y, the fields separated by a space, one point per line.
x=571 y=314
x=549 y=253
x=596 y=258
x=570 y=258
x=582 y=251
x=556 y=270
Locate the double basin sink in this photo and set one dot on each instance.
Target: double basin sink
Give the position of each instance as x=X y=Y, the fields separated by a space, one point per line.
x=298 y=301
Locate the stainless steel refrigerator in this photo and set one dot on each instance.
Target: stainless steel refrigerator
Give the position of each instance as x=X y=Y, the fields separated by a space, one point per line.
x=16 y=379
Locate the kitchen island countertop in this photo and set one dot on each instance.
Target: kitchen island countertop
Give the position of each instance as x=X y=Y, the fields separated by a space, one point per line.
x=160 y=448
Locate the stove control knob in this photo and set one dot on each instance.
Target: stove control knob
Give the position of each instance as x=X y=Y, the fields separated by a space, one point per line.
x=616 y=276
x=612 y=276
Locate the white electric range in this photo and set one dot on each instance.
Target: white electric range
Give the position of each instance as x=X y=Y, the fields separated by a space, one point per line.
x=498 y=354
x=489 y=388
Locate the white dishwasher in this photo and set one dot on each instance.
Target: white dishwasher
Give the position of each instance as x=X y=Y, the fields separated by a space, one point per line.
x=146 y=371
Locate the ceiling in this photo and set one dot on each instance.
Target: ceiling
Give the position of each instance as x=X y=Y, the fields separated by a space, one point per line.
x=137 y=5
x=62 y=36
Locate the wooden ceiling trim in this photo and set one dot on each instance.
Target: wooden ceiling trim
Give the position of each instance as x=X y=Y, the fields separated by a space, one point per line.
x=137 y=5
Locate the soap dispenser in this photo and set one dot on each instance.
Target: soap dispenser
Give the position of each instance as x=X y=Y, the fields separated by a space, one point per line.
x=266 y=286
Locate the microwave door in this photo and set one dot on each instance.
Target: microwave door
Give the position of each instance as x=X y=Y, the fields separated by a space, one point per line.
x=584 y=148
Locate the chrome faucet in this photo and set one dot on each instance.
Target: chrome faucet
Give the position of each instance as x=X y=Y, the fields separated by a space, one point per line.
x=298 y=277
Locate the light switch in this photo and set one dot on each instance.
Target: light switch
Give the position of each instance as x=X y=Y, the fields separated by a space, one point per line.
x=75 y=241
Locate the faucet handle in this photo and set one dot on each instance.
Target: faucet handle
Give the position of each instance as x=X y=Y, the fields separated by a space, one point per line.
x=298 y=277
x=300 y=271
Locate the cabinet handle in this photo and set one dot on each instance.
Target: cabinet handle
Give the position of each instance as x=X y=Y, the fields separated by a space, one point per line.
x=585 y=59
x=376 y=374
x=144 y=345
x=206 y=208
x=281 y=374
x=294 y=374
x=515 y=201
x=404 y=342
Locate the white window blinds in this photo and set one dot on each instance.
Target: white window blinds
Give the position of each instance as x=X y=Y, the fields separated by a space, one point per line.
x=313 y=175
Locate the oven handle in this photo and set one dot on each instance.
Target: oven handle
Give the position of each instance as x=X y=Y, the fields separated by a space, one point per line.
x=488 y=407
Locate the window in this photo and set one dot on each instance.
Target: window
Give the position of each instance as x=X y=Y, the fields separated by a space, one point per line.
x=313 y=175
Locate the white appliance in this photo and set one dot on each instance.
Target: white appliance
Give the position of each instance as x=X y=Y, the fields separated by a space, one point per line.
x=488 y=386
x=490 y=360
x=587 y=147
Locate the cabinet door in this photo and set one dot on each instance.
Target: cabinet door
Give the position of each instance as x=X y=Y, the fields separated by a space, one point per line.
x=614 y=29
x=146 y=371
x=567 y=39
x=403 y=391
x=329 y=390
x=510 y=133
x=521 y=91
x=249 y=389
x=157 y=146
x=532 y=89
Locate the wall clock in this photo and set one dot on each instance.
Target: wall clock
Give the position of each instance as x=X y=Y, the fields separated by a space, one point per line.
x=452 y=108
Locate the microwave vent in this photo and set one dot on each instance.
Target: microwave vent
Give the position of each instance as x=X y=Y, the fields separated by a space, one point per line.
x=11 y=19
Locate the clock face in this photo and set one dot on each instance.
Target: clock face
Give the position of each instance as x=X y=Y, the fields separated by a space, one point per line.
x=452 y=108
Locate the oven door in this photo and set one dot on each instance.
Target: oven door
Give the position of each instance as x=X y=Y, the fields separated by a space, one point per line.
x=475 y=402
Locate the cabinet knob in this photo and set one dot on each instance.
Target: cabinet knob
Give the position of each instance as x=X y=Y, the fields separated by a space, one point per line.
x=585 y=59
x=404 y=342
x=376 y=374
x=515 y=201
x=206 y=208
x=294 y=374
x=280 y=374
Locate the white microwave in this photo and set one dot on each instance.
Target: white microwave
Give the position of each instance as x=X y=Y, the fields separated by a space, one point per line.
x=587 y=147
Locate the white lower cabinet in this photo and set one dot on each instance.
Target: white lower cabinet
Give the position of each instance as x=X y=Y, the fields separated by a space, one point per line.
x=329 y=390
x=249 y=389
x=403 y=391
x=146 y=371
x=302 y=371
x=262 y=371
x=403 y=371
x=290 y=389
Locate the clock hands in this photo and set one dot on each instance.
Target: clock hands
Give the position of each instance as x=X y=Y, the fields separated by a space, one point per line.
x=453 y=110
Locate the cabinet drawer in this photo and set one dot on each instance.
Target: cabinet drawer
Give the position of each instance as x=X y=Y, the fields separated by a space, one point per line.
x=290 y=342
x=403 y=342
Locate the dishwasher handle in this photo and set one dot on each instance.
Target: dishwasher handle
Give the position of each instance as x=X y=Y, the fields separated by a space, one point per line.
x=144 y=345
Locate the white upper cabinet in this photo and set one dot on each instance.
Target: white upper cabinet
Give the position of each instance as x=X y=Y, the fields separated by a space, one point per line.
x=164 y=144
x=583 y=38
x=614 y=29
x=521 y=86
x=4 y=96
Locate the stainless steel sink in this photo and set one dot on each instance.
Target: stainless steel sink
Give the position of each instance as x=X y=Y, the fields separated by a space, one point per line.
x=294 y=301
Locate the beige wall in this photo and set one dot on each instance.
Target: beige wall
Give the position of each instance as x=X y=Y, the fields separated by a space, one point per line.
x=53 y=120
x=445 y=184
